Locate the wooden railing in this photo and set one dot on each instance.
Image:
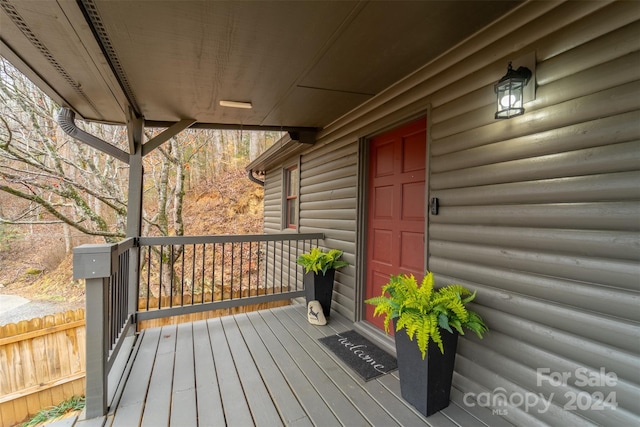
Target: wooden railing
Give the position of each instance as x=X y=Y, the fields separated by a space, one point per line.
x=176 y=276
x=210 y=272
x=109 y=316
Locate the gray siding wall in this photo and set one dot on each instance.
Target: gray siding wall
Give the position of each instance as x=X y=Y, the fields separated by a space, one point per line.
x=273 y=209
x=326 y=204
x=328 y=182
x=539 y=213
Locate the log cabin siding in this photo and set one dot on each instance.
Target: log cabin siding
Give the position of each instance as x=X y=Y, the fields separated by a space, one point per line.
x=273 y=208
x=539 y=213
x=328 y=202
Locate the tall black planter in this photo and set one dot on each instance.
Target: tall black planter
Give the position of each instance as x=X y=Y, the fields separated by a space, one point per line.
x=319 y=287
x=426 y=384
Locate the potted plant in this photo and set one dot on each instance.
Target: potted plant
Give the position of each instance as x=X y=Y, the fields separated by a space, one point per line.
x=434 y=317
x=320 y=268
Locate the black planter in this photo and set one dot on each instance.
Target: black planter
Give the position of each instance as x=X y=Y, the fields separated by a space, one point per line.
x=319 y=287
x=426 y=384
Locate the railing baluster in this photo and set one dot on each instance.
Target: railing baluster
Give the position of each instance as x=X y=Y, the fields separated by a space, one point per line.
x=224 y=249
x=273 y=263
x=172 y=272
x=250 y=264
x=241 y=266
x=204 y=250
x=297 y=269
x=258 y=270
x=148 y=276
x=181 y=278
x=160 y=277
x=213 y=273
x=193 y=271
x=233 y=255
x=121 y=291
x=266 y=265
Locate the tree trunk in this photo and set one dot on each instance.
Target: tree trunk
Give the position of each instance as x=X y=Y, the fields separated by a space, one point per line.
x=67 y=238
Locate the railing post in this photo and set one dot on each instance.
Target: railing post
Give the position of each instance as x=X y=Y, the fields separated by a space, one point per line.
x=95 y=264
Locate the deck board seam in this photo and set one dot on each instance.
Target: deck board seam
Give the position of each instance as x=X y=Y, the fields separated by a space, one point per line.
x=208 y=393
x=359 y=395
x=121 y=384
x=183 y=394
x=292 y=376
x=346 y=413
x=234 y=404
x=278 y=388
x=148 y=350
x=165 y=355
x=293 y=359
x=261 y=410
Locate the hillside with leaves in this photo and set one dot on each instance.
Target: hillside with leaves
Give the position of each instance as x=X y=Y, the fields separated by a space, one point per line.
x=35 y=265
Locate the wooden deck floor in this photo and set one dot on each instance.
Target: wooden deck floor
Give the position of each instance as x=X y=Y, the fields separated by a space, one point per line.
x=264 y=368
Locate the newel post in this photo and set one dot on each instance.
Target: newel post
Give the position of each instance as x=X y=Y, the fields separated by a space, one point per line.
x=95 y=264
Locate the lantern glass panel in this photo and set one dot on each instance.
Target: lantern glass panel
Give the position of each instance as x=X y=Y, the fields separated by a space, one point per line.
x=509 y=95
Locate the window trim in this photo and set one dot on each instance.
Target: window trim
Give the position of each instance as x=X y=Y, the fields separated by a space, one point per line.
x=288 y=198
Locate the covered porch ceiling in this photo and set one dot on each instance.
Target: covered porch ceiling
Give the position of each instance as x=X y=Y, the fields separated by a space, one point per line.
x=299 y=63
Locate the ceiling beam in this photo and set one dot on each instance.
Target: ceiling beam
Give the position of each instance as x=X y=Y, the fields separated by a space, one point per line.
x=233 y=126
x=303 y=136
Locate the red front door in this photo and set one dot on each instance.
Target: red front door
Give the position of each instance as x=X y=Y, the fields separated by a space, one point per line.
x=396 y=212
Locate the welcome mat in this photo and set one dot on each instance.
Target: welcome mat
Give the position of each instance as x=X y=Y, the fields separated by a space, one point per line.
x=367 y=359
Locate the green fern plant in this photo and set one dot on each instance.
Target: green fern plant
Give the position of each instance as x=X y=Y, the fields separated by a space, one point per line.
x=319 y=261
x=424 y=311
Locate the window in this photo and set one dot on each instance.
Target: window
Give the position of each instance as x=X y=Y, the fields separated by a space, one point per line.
x=292 y=181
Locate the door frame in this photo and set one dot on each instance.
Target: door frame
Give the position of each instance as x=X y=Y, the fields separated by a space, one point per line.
x=360 y=324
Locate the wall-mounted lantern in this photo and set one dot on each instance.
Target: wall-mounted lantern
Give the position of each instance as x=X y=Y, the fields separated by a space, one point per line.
x=510 y=92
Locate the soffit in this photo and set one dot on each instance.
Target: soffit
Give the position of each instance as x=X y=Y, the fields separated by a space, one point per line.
x=299 y=63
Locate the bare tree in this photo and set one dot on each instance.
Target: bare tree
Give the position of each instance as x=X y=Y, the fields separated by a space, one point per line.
x=70 y=183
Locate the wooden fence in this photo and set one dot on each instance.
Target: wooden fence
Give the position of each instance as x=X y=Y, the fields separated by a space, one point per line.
x=42 y=363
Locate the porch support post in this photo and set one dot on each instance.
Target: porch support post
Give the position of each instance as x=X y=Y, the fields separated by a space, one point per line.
x=134 y=207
